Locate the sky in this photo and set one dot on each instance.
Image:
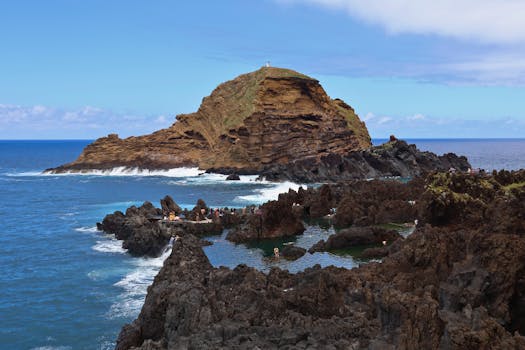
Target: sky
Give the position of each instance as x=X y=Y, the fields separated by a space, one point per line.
x=413 y=68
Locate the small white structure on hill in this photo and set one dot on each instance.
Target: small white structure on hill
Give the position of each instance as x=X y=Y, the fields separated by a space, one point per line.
x=267 y=65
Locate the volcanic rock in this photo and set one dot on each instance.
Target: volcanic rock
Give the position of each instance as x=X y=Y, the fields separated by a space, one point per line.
x=270 y=116
x=451 y=286
x=442 y=289
x=140 y=235
x=395 y=158
x=168 y=206
x=233 y=177
x=273 y=219
x=291 y=252
x=355 y=236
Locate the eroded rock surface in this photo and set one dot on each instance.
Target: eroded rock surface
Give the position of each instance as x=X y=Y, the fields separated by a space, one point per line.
x=273 y=219
x=270 y=116
x=356 y=236
x=394 y=158
x=449 y=286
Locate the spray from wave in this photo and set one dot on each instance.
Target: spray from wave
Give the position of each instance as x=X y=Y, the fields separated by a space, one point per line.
x=109 y=245
x=269 y=193
x=87 y=229
x=118 y=171
x=135 y=285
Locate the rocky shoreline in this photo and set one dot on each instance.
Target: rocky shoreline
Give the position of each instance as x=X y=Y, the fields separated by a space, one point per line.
x=455 y=283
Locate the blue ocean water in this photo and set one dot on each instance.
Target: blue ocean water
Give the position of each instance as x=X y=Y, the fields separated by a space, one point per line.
x=66 y=286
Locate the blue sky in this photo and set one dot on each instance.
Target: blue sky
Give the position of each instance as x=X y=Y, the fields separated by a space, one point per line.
x=413 y=68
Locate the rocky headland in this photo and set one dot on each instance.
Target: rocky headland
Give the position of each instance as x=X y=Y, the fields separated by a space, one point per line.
x=455 y=283
x=274 y=122
x=270 y=116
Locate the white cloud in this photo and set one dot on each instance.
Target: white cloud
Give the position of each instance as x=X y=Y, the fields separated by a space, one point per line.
x=415 y=117
x=384 y=120
x=85 y=122
x=489 y=21
x=421 y=126
x=368 y=116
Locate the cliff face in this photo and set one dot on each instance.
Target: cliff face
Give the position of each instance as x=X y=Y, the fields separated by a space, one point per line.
x=270 y=116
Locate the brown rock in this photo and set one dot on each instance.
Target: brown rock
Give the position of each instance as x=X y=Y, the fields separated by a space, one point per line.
x=270 y=116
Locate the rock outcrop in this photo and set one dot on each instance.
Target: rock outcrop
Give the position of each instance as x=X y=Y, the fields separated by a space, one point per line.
x=449 y=286
x=139 y=234
x=270 y=116
x=291 y=252
x=394 y=158
x=144 y=234
x=273 y=219
x=356 y=236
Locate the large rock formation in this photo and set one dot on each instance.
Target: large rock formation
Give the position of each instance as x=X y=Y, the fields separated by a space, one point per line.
x=452 y=286
x=144 y=234
x=394 y=158
x=270 y=116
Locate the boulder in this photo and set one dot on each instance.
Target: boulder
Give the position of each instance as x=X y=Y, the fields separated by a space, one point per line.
x=138 y=228
x=168 y=206
x=273 y=219
x=291 y=252
x=233 y=177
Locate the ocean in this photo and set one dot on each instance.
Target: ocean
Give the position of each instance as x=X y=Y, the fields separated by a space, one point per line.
x=64 y=285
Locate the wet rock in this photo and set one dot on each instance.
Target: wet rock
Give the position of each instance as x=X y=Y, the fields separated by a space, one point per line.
x=291 y=252
x=233 y=177
x=138 y=228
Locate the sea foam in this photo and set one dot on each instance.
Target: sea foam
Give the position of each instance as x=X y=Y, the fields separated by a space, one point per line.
x=125 y=171
x=109 y=245
x=118 y=171
x=135 y=285
x=207 y=179
x=87 y=229
x=272 y=192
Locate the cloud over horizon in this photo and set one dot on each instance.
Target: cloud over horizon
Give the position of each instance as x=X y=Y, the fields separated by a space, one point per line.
x=483 y=20
x=421 y=126
x=88 y=122
x=474 y=42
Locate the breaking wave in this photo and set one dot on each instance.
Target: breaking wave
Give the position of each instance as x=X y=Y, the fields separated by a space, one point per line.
x=119 y=171
x=135 y=285
x=272 y=192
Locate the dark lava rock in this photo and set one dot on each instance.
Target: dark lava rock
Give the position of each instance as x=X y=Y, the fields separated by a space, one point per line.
x=375 y=202
x=140 y=235
x=291 y=252
x=143 y=234
x=442 y=289
x=168 y=205
x=199 y=212
x=355 y=236
x=273 y=219
x=374 y=253
x=233 y=177
x=394 y=158
x=450 y=286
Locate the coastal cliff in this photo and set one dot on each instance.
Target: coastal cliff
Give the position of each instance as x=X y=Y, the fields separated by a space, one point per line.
x=267 y=117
